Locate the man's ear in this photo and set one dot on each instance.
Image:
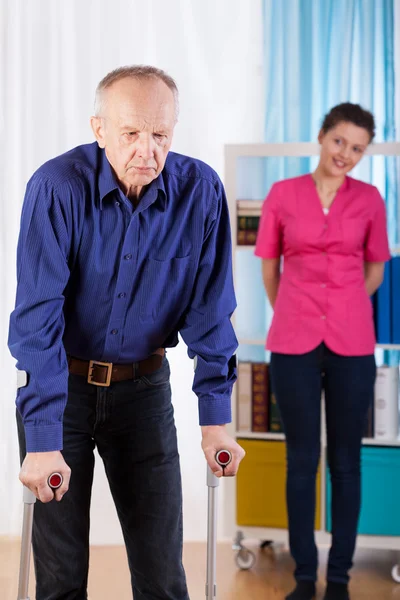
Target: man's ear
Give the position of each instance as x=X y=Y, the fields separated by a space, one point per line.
x=97 y=125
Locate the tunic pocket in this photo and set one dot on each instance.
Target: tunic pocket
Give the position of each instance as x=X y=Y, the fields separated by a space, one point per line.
x=353 y=234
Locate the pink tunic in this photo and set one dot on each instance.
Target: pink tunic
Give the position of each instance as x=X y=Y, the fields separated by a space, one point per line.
x=322 y=295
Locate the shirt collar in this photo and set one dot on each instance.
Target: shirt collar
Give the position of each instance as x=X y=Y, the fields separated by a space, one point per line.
x=107 y=180
x=108 y=183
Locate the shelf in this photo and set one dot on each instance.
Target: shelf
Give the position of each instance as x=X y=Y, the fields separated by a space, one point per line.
x=388 y=346
x=261 y=341
x=250 y=435
x=303 y=149
x=323 y=538
x=251 y=341
x=377 y=442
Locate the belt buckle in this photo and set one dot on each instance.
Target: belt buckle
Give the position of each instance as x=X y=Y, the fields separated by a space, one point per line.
x=92 y=364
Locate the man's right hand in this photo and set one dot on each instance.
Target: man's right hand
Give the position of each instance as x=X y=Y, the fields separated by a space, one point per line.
x=36 y=469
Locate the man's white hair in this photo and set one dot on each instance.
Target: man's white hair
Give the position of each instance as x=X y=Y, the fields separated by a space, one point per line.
x=137 y=72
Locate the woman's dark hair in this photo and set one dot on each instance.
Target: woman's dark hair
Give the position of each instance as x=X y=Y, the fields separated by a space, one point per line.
x=350 y=113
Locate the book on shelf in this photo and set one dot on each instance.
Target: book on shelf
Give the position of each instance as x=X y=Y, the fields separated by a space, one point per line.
x=395 y=304
x=256 y=405
x=246 y=238
x=244 y=397
x=260 y=391
x=248 y=223
x=386 y=403
x=386 y=301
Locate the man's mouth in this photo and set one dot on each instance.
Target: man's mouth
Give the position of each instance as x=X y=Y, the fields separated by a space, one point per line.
x=143 y=169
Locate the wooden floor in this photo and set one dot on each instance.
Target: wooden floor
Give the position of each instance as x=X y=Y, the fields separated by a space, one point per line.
x=270 y=578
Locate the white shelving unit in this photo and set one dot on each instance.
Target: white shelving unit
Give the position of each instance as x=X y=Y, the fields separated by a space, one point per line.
x=232 y=154
x=261 y=342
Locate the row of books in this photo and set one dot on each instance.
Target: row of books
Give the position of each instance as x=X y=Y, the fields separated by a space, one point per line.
x=386 y=303
x=257 y=409
x=248 y=220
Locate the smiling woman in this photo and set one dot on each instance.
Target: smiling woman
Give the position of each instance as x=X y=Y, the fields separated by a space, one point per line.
x=331 y=231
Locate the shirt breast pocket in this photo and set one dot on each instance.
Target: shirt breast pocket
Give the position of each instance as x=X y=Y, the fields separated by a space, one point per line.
x=165 y=287
x=174 y=250
x=353 y=234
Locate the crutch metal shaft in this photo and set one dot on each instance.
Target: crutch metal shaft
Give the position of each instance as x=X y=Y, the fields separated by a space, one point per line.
x=211 y=584
x=29 y=503
x=223 y=458
x=55 y=481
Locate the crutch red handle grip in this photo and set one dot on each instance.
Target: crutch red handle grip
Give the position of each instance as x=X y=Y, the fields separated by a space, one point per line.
x=55 y=481
x=223 y=458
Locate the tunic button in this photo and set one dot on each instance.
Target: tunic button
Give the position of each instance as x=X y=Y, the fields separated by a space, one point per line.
x=114 y=331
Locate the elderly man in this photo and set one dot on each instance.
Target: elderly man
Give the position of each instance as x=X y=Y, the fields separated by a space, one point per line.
x=123 y=244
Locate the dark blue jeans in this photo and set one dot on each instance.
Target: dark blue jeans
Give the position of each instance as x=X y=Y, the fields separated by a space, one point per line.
x=348 y=381
x=132 y=425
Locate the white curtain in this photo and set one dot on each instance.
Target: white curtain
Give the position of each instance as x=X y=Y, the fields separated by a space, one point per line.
x=52 y=55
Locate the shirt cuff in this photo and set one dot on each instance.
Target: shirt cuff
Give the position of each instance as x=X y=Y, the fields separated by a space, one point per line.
x=215 y=410
x=44 y=438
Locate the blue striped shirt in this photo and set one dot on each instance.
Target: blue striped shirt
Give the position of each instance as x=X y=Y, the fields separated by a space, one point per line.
x=100 y=279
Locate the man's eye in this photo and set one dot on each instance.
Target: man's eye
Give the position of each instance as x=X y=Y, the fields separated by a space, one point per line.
x=159 y=136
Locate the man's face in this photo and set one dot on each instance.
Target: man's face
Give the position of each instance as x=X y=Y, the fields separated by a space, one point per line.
x=342 y=148
x=135 y=129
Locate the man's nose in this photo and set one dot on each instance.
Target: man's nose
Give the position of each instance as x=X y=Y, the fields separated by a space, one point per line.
x=145 y=147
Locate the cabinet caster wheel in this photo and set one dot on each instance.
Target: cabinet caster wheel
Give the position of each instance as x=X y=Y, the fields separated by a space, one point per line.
x=396 y=573
x=245 y=559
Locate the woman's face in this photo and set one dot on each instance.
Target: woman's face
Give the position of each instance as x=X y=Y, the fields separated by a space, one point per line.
x=342 y=147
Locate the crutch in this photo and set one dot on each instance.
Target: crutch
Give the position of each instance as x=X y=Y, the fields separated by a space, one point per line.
x=55 y=481
x=223 y=458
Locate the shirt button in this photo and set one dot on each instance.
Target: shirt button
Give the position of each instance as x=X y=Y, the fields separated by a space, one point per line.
x=324 y=252
x=325 y=225
x=117 y=203
x=114 y=331
x=121 y=295
x=128 y=256
x=323 y=285
x=323 y=316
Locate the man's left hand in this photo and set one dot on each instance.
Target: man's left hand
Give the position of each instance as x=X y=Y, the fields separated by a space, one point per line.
x=215 y=438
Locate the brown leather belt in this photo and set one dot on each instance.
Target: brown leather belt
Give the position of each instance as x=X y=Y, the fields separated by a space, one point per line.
x=103 y=373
